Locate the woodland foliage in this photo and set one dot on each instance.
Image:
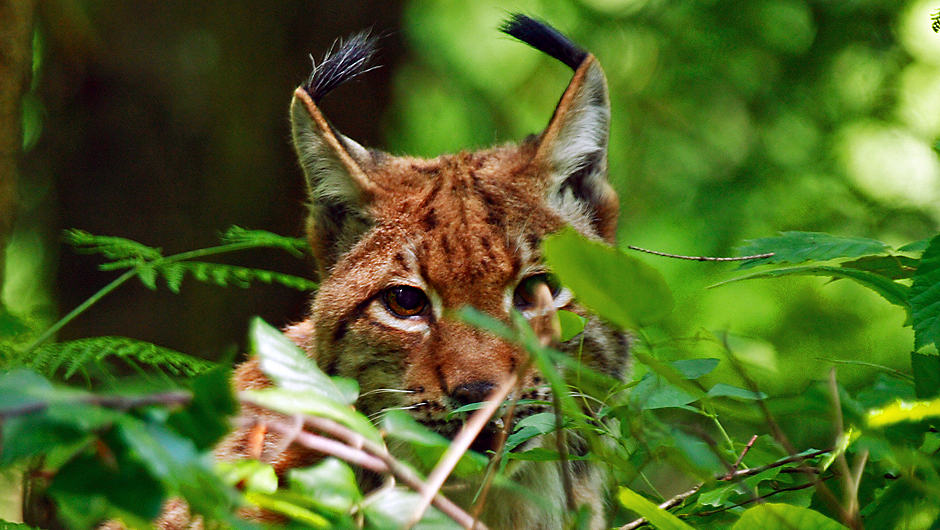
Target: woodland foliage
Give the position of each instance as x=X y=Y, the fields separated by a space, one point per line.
x=109 y=427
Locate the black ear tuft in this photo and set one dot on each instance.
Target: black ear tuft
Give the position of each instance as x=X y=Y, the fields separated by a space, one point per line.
x=350 y=59
x=544 y=38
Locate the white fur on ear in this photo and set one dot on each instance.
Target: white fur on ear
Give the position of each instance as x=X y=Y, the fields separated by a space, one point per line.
x=573 y=150
x=339 y=187
x=331 y=161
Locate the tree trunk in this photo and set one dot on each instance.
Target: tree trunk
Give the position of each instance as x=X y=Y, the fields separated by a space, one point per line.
x=16 y=31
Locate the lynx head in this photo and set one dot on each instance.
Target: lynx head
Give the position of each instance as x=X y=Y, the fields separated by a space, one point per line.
x=402 y=241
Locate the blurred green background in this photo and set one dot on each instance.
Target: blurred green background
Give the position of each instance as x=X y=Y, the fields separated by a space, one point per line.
x=166 y=122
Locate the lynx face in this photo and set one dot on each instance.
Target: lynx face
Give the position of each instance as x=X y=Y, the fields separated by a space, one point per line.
x=402 y=242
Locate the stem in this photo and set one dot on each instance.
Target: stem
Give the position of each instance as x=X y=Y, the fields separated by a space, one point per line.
x=80 y=309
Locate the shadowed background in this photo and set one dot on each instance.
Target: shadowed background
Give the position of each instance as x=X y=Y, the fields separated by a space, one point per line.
x=166 y=122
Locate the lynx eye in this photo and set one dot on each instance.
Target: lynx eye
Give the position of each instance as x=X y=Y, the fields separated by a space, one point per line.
x=524 y=296
x=405 y=301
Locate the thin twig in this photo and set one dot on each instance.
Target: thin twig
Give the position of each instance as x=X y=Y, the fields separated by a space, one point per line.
x=494 y=463
x=110 y=402
x=739 y=474
x=376 y=458
x=458 y=447
x=778 y=433
x=760 y=498
x=737 y=463
x=699 y=258
x=850 y=514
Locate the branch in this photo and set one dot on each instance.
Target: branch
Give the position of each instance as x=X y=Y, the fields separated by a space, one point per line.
x=111 y=402
x=356 y=445
x=732 y=476
x=699 y=258
x=459 y=446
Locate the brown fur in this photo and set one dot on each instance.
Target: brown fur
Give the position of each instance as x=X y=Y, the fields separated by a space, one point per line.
x=465 y=229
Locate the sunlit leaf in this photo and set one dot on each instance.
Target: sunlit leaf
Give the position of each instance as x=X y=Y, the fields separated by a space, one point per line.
x=616 y=286
x=797 y=247
x=252 y=475
x=291 y=369
x=925 y=297
x=901 y=411
x=571 y=325
x=331 y=483
x=775 y=516
x=658 y=517
x=392 y=507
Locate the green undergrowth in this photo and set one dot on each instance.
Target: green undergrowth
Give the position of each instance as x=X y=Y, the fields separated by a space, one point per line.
x=685 y=449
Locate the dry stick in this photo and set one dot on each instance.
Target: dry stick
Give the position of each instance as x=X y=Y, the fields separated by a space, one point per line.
x=699 y=258
x=737 y=462
x=741 y=473
x=458 y=447
x=477 y=508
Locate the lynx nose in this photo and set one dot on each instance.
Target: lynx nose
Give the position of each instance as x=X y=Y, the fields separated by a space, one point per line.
x=472 y=392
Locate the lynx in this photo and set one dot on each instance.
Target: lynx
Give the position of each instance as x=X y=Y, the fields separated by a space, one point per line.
x=399 y=242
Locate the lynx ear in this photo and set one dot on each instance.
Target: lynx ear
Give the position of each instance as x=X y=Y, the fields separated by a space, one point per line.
x=339 y=187
x=573 y=148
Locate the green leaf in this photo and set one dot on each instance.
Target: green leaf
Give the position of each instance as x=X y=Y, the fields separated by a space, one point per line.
x=571 y=324
x=658 y=517
x=290 y=368
x=250 y=474
x=88 y=489
x=926 y=370
x=224 y=275
x=654 y=392
x=620 y=288
x=76 y=355
x=392 y=507
x=695 y=368
x=893 y=292
x=925 y=297
x=429 y=445
x=797 y=247
x=175 y=461
x=114 y=248
x=916 y=246
x=290 y=401
x=263 y=238
x=723 y=390
x=894 y=267
x=774 y=516
x=331 y=483
x=205 y=419
x=530 y=427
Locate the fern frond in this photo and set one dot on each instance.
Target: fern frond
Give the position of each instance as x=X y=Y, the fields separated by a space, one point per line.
x=111 y=247
x=935 y=21
x=224 y=275
x=77 y=355
x=263 y=238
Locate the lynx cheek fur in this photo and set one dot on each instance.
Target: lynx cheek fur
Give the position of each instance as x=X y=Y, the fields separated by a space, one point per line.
x=400 y=241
